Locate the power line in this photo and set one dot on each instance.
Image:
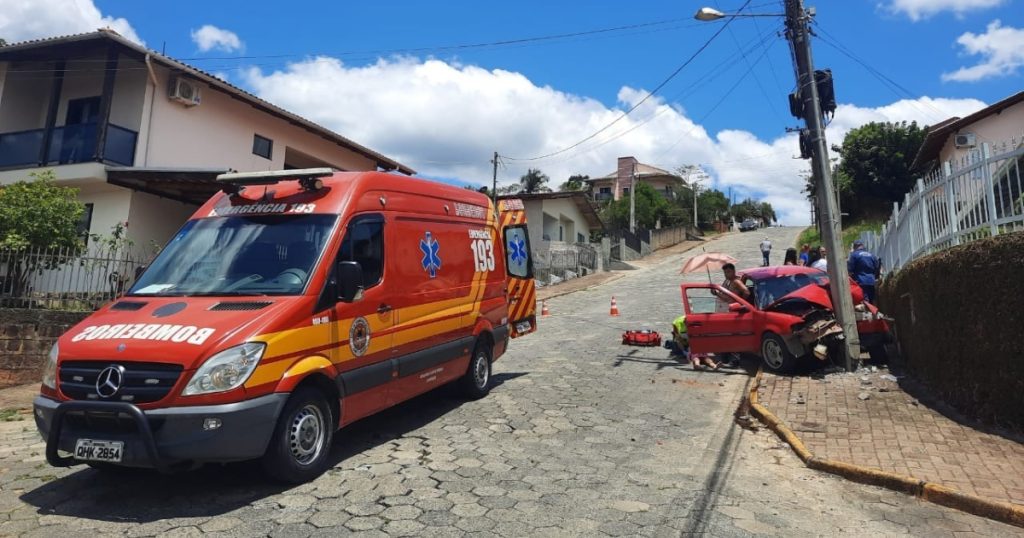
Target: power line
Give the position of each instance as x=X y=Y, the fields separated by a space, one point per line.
x=699 y=83
x=757 y=80
x=645 y=98
x=717 y=104
x=893 y=86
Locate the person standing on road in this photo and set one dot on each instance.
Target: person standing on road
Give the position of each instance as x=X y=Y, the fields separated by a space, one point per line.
x=766 y=250
x=805 y=255
x=790 y=257
x=864 y=268
x=822 y=261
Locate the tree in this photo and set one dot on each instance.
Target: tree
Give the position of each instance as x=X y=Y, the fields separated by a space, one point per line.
x=576 y=182
x=39 y=214
x=875 y=169
x=38 y=228
x=651 y=207
x=3 y=42
x=534 y=181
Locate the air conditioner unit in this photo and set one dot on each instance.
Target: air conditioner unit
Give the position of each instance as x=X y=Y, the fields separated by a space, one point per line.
x=964 y=140
x=183 y=91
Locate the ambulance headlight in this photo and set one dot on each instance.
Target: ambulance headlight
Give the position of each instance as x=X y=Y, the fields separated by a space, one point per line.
x=226 y=370
x=50 y=368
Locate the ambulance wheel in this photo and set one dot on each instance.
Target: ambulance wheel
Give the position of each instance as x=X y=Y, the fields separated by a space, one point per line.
x=301 y=443
x=775 y=354
x=476 y=383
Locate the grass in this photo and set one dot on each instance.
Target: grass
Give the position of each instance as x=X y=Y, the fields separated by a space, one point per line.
x=810 y=235
x=10 y=415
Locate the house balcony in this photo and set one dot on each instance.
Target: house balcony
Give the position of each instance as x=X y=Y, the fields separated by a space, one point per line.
x=69 y=144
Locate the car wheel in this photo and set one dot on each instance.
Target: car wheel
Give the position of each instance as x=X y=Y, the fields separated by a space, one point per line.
x=301 y=442
x=476 y=382
x=775 y=354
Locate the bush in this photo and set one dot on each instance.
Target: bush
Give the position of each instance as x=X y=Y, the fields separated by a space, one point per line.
x=959 y=315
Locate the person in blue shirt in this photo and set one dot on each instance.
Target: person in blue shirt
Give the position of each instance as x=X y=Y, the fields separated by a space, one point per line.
x=865 y=268
x=805 y=255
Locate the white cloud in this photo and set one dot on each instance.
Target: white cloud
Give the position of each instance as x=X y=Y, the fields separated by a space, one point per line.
x=1001 y=48
x=21 y=20
x=445 y=120
x=210 y=37
x=922 y=9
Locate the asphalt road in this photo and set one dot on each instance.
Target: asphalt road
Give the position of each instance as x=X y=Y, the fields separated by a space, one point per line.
x=581 y=436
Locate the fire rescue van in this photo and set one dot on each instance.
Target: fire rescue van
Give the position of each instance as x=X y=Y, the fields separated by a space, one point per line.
x=291 y=304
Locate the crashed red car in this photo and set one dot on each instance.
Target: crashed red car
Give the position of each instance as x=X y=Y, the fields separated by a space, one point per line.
x=789 y=317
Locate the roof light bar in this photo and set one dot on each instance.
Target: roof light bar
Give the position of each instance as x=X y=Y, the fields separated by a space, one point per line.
x=233 y=180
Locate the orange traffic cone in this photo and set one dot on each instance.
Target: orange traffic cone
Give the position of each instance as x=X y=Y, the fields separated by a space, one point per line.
x=544 y=309
x=615 y=307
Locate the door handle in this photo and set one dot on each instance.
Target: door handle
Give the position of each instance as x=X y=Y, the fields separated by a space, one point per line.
x=383 y=308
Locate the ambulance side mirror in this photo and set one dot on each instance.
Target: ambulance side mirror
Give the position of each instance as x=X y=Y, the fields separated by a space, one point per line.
x=350 y=281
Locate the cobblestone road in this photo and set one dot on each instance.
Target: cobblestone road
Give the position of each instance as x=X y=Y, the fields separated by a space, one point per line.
x=580 y=437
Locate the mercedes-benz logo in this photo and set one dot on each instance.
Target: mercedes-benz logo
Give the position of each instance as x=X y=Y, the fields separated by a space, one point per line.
x=109 y=381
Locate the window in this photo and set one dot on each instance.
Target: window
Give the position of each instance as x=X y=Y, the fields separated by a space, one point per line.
x=517 y=252
x=85 y=223
x=580 y=238
x=625 y=191
x=606 y=190
x=262 y=146
x=705 y=301
x=364 y=243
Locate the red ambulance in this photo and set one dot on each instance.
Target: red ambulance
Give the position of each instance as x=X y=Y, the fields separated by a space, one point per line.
x=291 y=304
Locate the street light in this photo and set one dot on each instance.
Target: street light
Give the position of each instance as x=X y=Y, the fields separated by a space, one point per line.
x=708 y=14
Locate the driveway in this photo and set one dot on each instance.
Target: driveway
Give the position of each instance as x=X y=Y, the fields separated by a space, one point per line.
x=581 y=436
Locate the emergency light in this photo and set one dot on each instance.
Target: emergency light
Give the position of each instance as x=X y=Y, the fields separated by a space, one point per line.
x=309 y=178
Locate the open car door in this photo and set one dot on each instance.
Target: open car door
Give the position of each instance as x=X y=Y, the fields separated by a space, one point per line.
x=718 y=321
x=522 y=294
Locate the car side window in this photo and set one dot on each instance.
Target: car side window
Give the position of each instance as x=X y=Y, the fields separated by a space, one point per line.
x=706 y=301
x=364 y=243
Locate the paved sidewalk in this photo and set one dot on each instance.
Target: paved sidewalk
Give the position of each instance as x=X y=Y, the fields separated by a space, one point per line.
x=892 y=431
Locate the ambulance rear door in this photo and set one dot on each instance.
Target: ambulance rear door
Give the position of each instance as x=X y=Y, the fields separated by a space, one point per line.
x=522 y=294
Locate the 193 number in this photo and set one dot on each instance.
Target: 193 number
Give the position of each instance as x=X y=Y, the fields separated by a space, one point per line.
x=483 y=254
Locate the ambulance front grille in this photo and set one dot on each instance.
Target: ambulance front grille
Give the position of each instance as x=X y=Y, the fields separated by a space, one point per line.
x=142 y=382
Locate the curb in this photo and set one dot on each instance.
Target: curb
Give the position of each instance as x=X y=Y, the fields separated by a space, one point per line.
x=936 y=493
x=567 y=292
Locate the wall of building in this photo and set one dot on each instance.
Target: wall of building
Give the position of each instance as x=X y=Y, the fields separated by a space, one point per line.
x=219 y=134
x=994 y=129
x=153 y=221
x=25 y=96
x=25 y=340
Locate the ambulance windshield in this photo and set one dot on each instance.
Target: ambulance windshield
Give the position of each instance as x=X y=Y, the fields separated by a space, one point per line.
x=238 y=255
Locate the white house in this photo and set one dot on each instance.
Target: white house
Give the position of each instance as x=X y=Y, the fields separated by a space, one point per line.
x=143 y=135
x=558 y=218
x=999 y=124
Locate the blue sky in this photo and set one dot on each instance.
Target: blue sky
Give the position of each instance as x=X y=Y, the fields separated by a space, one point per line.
x=443 y=111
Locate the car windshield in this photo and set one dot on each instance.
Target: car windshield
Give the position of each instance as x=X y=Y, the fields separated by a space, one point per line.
x=238 y=255
x=769 y=290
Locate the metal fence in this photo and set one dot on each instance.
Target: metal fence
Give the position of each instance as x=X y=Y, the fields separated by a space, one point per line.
x=978 y=196
x=66 y=279
x=563 y=263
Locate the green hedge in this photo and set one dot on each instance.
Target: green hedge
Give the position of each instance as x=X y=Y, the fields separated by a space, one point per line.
x=960 y=322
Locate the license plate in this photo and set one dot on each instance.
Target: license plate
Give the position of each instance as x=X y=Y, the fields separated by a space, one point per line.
x=93 y=450
x=522 y=327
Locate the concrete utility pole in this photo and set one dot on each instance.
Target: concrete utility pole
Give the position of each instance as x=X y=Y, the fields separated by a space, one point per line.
x=494 y=187
x=632 y=200
x=798 y=34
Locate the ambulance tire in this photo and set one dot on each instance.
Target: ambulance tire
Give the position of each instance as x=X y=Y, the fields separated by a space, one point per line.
x=300 y=447
x=476 y=382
